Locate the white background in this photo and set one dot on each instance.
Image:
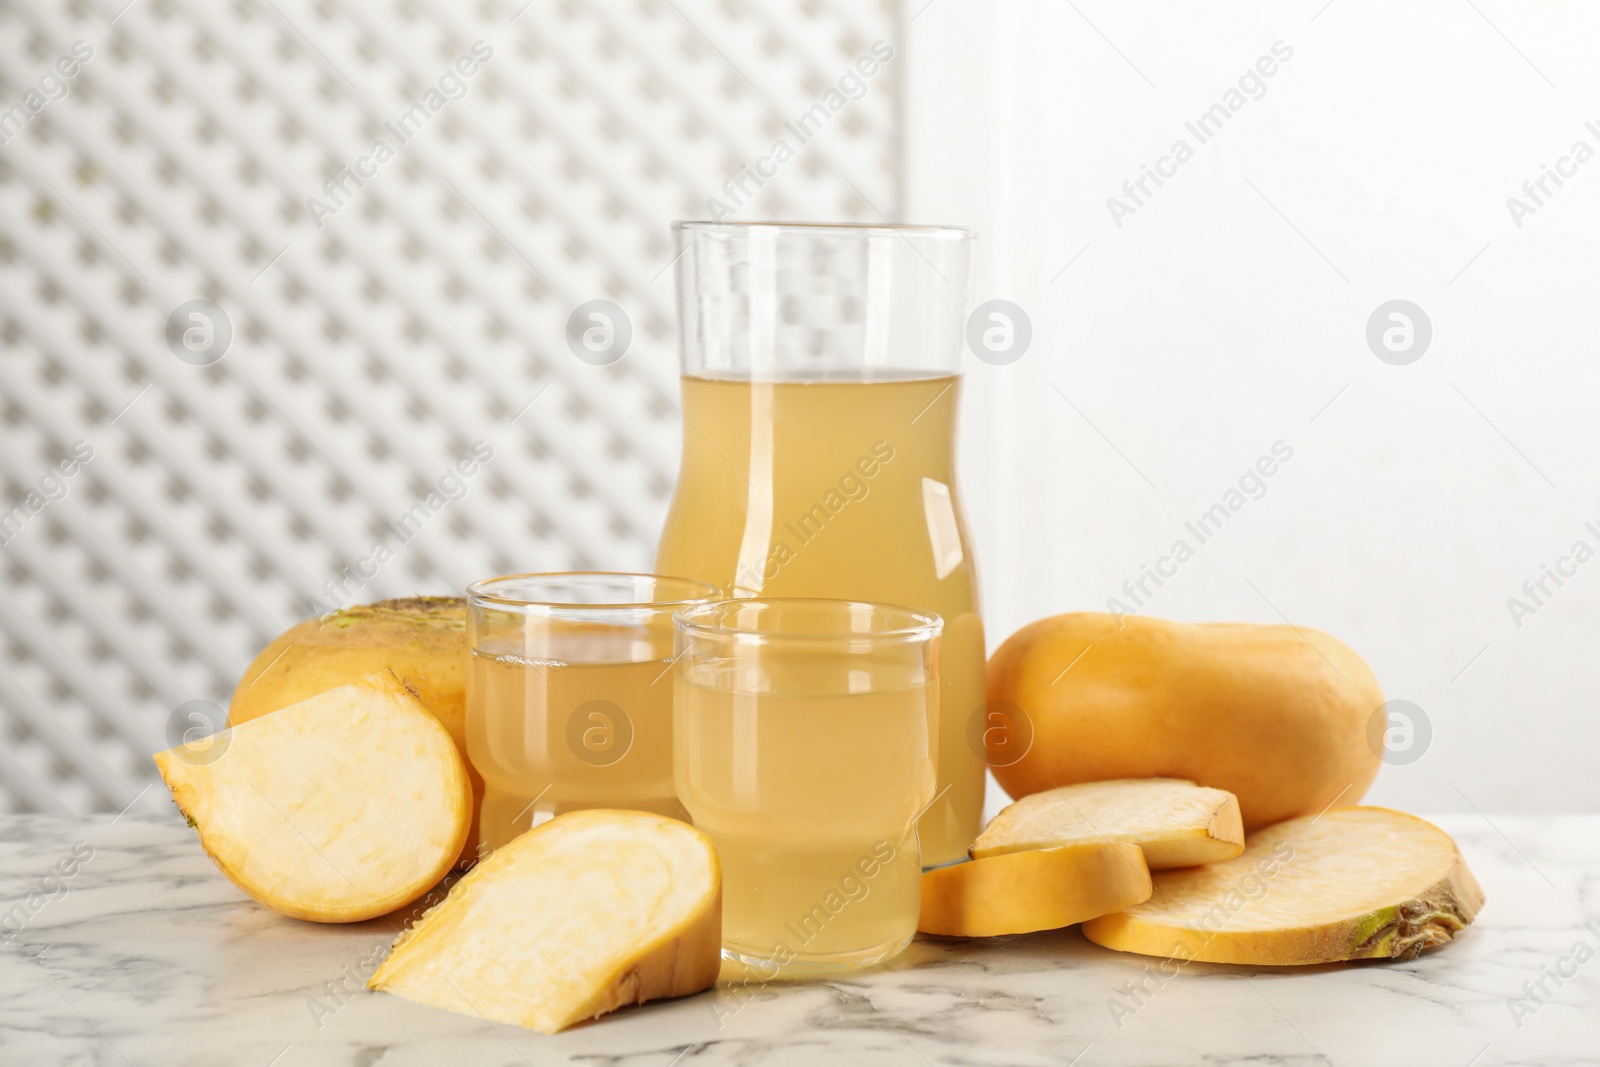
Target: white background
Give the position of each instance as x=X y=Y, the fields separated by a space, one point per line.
x=1169 y=353
x=1230 y=312
x=369 y=353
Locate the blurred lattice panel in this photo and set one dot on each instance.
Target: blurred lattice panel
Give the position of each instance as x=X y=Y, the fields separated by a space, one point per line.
x=162 y=520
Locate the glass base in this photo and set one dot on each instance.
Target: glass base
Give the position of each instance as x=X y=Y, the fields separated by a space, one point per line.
x=761 y=967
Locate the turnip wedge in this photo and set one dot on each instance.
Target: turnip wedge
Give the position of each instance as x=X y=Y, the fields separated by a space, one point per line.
x=575 y=918
x=1352 y=883
x=1177 y=823
x=339 y=808
x=1042 y=889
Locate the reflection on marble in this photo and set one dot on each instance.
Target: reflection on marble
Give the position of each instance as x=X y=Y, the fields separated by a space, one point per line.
x=145 y=954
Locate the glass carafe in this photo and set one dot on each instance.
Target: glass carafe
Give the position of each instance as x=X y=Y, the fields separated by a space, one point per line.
x=821 y=380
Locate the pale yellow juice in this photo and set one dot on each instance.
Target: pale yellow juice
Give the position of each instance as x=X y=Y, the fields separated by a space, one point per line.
x=551 y=736
x=842 y=489
x=811 y=800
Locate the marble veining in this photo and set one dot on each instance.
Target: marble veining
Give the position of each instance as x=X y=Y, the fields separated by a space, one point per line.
x=145 y=954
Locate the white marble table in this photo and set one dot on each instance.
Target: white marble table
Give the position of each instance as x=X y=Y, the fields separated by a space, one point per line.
x=147 y=955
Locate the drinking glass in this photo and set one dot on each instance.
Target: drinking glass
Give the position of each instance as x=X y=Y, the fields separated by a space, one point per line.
x=821 y=381
x=569 y=694
x=805 y=744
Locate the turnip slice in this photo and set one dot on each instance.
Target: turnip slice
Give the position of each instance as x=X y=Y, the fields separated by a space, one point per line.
x=1176 y=823
x=575 y=918
x=339 y=808
x=1042 y=889
x=1352 y=883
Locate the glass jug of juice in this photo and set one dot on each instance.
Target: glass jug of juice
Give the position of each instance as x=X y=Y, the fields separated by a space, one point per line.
x=821 y=378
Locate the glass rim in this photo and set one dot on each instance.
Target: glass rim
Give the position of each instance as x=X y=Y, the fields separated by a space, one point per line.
x=890 y=229
x=923 y=625
x=480 y=596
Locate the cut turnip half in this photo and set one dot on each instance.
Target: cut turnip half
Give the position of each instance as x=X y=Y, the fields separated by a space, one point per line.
x=1352 y=883
x=339 y=808
x=1020 y=892
x=575 y=918
x=1176 y=823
